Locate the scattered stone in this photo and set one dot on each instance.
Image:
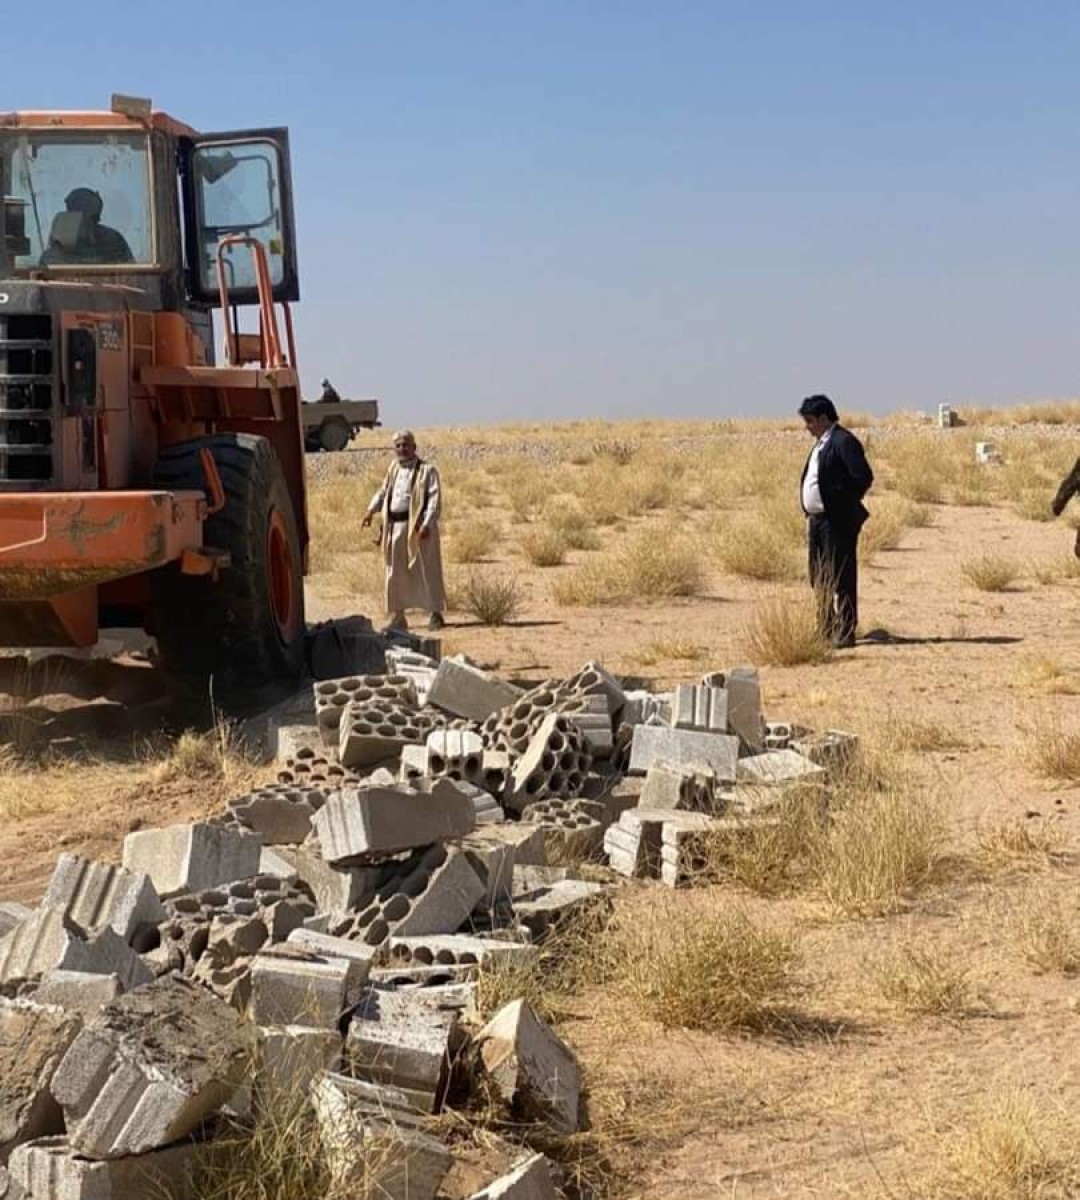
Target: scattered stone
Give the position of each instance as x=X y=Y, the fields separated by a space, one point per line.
x=530 y=1068
x=188 y=858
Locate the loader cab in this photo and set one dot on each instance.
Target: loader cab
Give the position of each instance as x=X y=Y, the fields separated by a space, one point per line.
x=138 y=199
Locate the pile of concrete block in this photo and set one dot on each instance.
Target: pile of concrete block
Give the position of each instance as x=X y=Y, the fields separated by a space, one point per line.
x=325 y=936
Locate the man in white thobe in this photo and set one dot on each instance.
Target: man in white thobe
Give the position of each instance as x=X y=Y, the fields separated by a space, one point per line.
x=410 y=500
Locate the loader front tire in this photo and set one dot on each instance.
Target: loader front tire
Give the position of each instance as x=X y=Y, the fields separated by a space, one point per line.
x=236 y=638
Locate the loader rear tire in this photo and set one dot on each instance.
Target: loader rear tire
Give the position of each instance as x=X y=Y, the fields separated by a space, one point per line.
x=334 y=434
x=239 y=637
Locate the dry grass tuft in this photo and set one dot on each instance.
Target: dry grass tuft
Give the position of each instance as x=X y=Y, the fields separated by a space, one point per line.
x=892 y=517
x=1045 y=927
x=620 y=451
x=1019 y=844
x=750 y=546
x=573 y=524
x=668 y=650
x=212 y=756
x=1062 y=568
x=1046 y=674
x=930 y=981
x=544 y=547
x=784 y=631
x=883 y=843
x=648 y=566
x=491 y=599
x=990 y=572
x=472 y=540
x=1049 y=749
x=696 y=962
x=921 y=736
x=1013 y=1150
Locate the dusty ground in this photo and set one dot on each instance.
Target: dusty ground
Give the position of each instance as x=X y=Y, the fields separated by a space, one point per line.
x=866 y=1099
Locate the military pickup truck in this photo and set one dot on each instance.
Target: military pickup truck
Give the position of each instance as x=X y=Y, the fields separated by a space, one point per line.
x=330 y=422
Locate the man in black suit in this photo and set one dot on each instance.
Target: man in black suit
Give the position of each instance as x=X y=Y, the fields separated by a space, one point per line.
x=834 y=480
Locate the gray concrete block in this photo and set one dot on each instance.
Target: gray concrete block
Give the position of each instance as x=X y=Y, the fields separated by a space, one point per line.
x=530 y=1179
x=834 y=749
x=287 y=740
x=546 y=907
x=336 y=889
x=453 y=891
x=531 y=1068
x=150 y=1069
x=525 y=841
x=493 y=862
x=460 y=949
x=376 y=730
x=49 y=940
x=280 y=814
x=596 y=727
x=358 y=823
x=290 y=986
x=686 y=788
x=698 y=706
x=97 y=895
x=779 y=767
x=50 y=1169
x=186 y=858
x=555 y=763
x=465 y=691
x=456 y=753
x=77 y=991
x=717 y=752
x=33 y=1041
x=594 y=680
x=404 y=1039
x=333 y=696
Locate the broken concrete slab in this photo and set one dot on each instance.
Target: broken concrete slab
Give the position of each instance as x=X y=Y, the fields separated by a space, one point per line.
x=333 y=696
x=688 y=788
x=834 y=749
x=530 y=1179
x=359 y=823
x=327 y=946
x=336 y=889
x=718 y=752
x=34 y=1038
x=526 y=842
x=456 y=753
x=555 y=763
x=373 y=731
x=743 y=687
x=493 y=862
x=50 y=1169
x=546 y=907
x=460 y=949
x=49 y=940
x=463 y=690
x=150 y=1068
x=95 y=895
x=188 y=858
x=279 y=813
x=531 y=1068
x=779 y=767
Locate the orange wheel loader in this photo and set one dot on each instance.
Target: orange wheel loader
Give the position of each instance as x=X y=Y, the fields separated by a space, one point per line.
x=144 y=481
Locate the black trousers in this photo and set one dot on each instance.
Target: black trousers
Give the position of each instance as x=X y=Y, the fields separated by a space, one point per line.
x=834 y=574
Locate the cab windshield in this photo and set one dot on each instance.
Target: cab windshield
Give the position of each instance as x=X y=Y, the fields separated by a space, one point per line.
x=74 y=200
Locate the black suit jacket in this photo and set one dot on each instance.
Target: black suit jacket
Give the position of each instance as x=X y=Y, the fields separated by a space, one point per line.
x=844 y=477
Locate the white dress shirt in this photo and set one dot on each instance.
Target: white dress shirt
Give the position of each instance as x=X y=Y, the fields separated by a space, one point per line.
x=811 y=492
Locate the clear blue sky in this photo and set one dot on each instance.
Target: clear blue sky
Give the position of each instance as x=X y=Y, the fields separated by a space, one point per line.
x=523 y=210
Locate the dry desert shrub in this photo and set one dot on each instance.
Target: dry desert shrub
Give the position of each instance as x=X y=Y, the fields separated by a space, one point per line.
x=472 y=540
x=1046 y=674
x=1061 y=569
x=748 y=545
x=1033 y=504
x=990 y=572
x=216 y=754
x=544 y=546
x=883 y=843
x=1048 y=748
x=1044 y=926
x=696 y=961
x=784 y=631
x=971 y=486
x=920 y=468
x=621 y=451
x=651 y=564
x=1014 y=1149
x=919 y=735
x=526 y=489
x=572 y=523
x=930 y=981
x=492 y=599
x=891 y=518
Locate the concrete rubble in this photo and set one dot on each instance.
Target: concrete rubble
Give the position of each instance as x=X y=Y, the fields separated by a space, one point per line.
x=325 y=935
